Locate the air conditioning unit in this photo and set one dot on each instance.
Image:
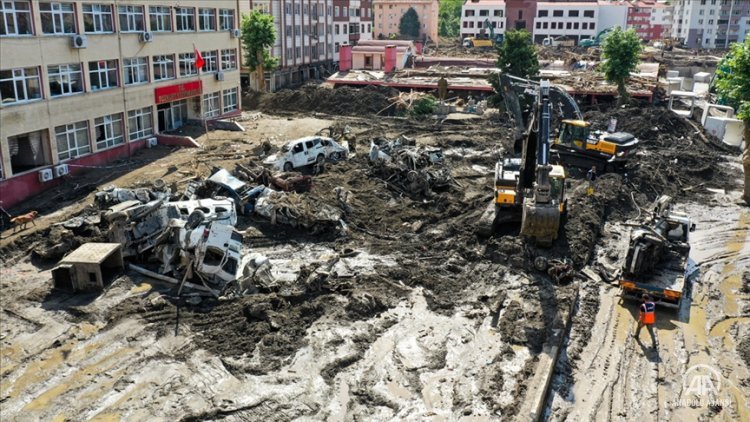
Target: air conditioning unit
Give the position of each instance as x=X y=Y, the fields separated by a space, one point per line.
x=147 y=36
x=61 y=170
x=45 y=175
x=80 y=41
x=236 y=33
x=219 y=76
x=151 y=142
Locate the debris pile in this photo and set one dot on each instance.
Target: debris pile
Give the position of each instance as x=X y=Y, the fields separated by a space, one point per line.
x=408 y=168
x=341 y=101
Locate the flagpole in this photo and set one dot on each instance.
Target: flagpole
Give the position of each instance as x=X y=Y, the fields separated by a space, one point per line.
x=200 y=79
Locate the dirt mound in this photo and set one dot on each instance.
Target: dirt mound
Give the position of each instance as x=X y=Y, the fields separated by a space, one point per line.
x=339 y=101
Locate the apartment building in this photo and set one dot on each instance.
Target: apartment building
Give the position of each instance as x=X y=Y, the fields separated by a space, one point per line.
x=650 y=19
x=709 y=23
x=352 y=22
x=477 y=14
x=744 y=29
x=304 y=40
x=388 y=15
x=85 y=82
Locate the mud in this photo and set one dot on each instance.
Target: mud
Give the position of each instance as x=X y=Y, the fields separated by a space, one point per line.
x=420 y=318
x=339 y=101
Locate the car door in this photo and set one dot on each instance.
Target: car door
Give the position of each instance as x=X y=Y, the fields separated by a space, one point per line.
x=299 y=157
x=310 y=151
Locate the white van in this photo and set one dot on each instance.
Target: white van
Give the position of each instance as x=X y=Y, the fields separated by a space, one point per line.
x=306 y=151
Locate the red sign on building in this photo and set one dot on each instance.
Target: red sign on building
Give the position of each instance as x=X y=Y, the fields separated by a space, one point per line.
x=170 y=93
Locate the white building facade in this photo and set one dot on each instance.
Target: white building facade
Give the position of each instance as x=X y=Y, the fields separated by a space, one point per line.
x=477 y=14
x=574 y=20
x=709 y=23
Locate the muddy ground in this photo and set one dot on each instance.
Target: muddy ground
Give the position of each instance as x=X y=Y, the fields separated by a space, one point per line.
x=420 y=318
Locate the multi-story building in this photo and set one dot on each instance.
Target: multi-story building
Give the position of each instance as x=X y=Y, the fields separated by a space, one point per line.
x=575 y=20
x=520 y=14
x=650 y=19
x=352 y=22
x=744 y=29
x=708 y=23
x=477 y=14
x=86 y=82
x=388 y=15
x=613 y=13
x=304 y=40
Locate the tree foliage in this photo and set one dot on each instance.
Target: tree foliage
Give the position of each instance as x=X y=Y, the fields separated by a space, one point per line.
x=733 y=79
x=449 y=18
x=409 y=24
x=517 y=54
x=621 y=52
x=258 y=35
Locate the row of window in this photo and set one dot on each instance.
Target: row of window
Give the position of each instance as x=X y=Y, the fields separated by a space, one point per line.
x=296 y=30
x=74 y=140
x=307 y=9
x=352 y=28
x=484 y=12
x=24 y=84
x=571 y=13
x=61 y=18
x=314 y=51
x=352 y=11
x=470 y=24
x=566 y=25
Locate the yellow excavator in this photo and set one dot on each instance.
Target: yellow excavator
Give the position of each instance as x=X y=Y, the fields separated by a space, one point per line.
x=530 y=188
x=575 y=144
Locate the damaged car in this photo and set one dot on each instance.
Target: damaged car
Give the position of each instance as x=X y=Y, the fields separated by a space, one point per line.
x=307 y=151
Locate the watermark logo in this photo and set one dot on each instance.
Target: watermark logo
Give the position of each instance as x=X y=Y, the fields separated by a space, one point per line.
x=703 y=381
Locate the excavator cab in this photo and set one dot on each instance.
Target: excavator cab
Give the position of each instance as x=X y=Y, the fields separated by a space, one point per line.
x=574 y=132
x=576 y=145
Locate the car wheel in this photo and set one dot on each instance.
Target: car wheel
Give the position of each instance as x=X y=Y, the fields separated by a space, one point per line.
x=336 y=156
x=321 y=159
x=288 y=166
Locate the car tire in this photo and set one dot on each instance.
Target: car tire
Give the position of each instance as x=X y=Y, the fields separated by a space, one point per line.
x=336 y=156
x=288 y=166
x=321 y=159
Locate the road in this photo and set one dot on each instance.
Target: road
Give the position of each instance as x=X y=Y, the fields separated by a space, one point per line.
x=696 y=370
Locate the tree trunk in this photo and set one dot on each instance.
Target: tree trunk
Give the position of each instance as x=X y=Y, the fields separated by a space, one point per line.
x=746 y=162
x=622 y=94
x=260 y=77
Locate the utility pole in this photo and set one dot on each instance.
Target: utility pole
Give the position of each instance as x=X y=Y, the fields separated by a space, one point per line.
x=729 y=22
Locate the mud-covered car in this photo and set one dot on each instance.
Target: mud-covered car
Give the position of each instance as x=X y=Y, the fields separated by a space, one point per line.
x=307 y=151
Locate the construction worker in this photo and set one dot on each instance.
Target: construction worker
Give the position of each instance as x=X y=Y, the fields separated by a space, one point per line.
x=591 y=177
x=647 y=317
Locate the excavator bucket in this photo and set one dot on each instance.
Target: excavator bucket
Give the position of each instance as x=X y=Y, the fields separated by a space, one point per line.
x=540 y=222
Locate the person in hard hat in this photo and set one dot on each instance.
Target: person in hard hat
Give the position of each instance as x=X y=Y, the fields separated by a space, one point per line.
x=591 y=177
x=646 y=317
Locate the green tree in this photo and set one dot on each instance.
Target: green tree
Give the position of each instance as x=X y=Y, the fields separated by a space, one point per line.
x=449 y=18
x=258 y=36
x=517 y=54
x=409 y=24
x=733 y=87
x=621 y=52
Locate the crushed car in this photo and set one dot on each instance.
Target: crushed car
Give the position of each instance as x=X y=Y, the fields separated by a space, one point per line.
x=307 y=151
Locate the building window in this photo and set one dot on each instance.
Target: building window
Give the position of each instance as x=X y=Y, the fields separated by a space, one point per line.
x=575 y=25
x=72 y=140
x=484 y=13
x=20 y=85
x=103 y=74
x=337 y=46
x=135 y=70
x=160 y=18
x=585 y=25
x=226 y=19
x=538 y=25
x=65 y=79
x=568 y=25
x=140 y=123
x=108 y=131
x=572 y=13
x=58 y=18
x=592 y=25
x=207 y=18
x=187 y=64
x=554 y=25
x=336 y=29
x=469 y=13
x=296 y=9
x=545 y=25
x=499 y=13
x=230 y=100
x=131 y=18
x=298 y=52
x=16 y=18
x=345 y=28
x=229 y=59
x=557 y=13
x=185 y=19
x=288 y=8
x=97 y=18
x=588 y=13
x=211 y=106
x=210 y=63
x=163 y=67
x=28 y=151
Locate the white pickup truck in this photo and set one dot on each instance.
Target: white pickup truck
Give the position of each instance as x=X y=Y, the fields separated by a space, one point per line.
x=307 y=151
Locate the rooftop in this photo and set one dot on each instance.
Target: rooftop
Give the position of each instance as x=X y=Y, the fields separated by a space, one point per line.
x=91 y=253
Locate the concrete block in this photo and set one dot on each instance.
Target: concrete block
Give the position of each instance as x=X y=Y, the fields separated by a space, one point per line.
x=703 y=77
x=673 y=73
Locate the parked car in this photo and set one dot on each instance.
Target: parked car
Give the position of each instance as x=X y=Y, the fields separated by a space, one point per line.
x=307 y=151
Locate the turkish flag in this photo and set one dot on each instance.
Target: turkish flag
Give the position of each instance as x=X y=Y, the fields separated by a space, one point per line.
x=198 y=59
